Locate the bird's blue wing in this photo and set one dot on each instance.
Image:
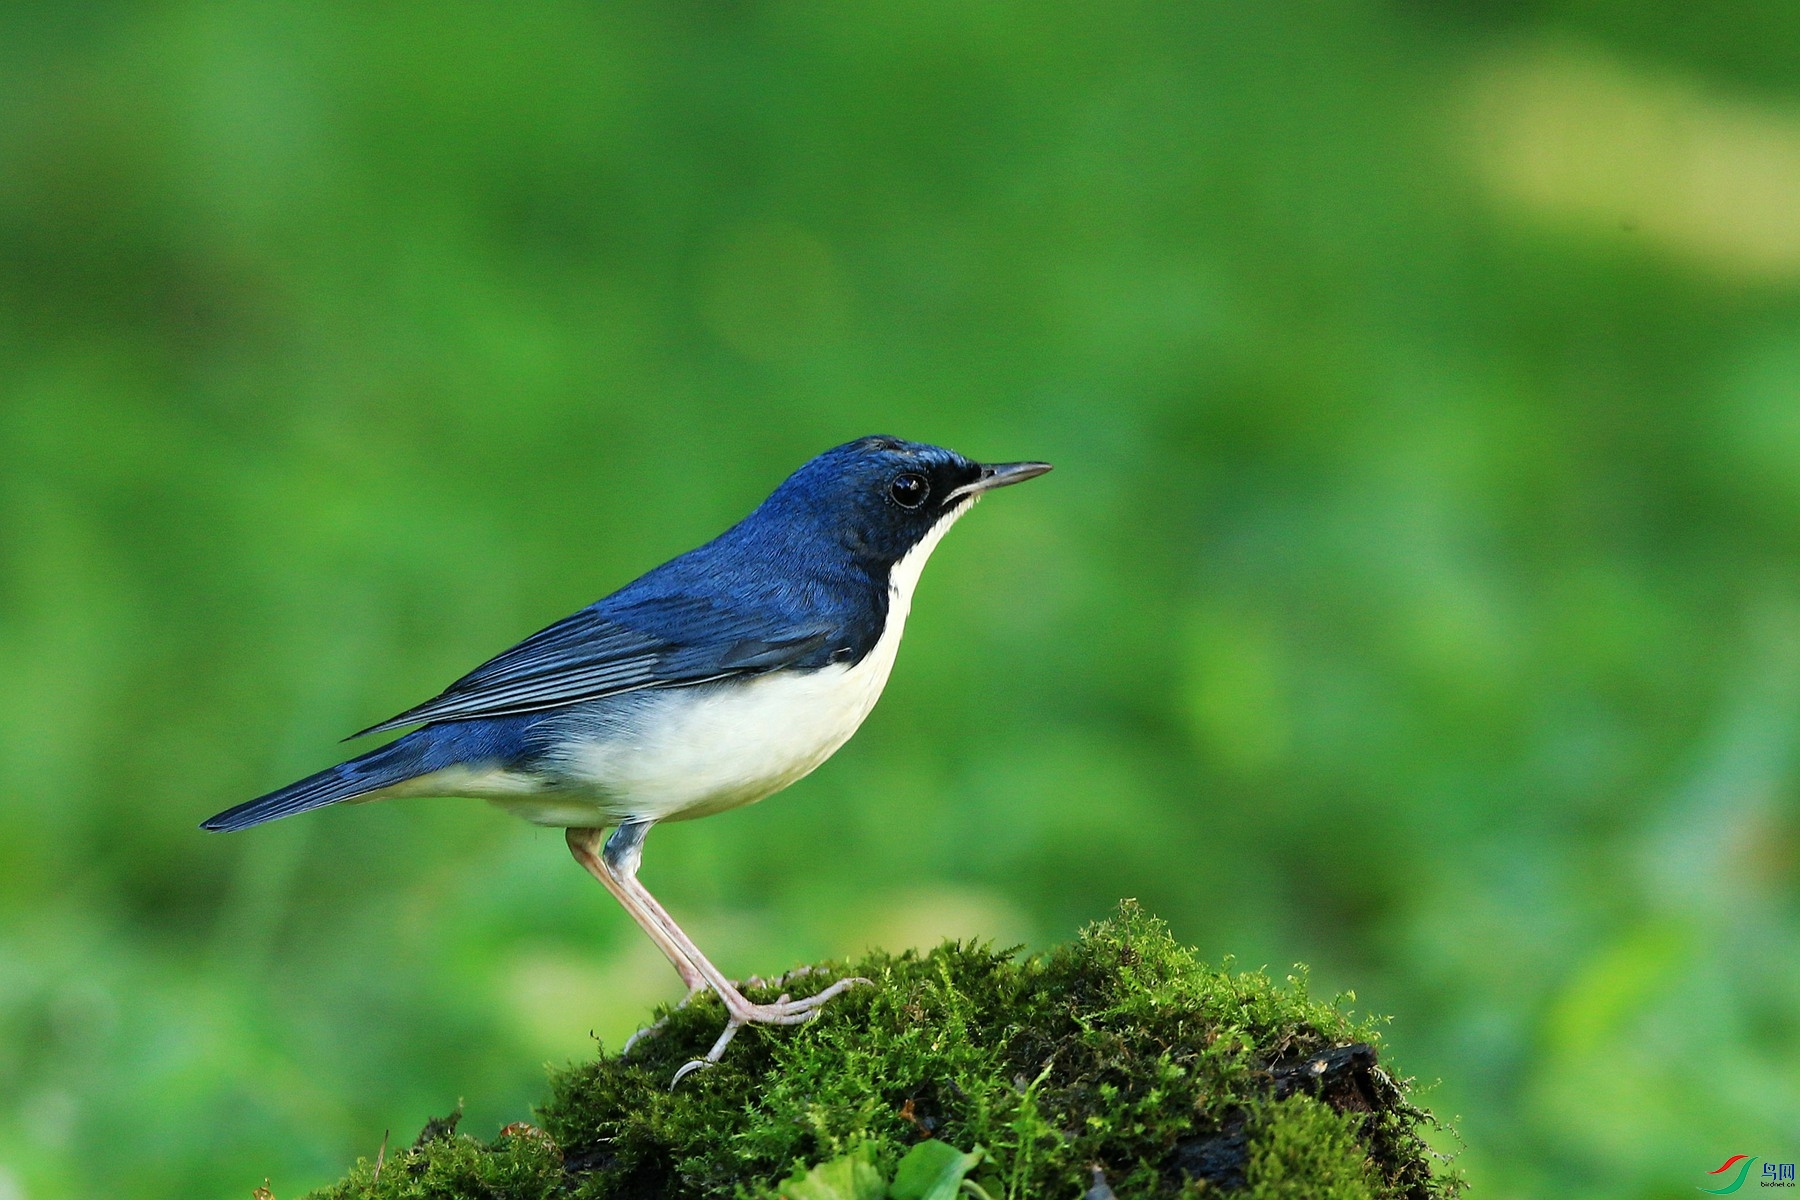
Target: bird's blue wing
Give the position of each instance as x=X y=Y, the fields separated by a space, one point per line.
x=605 y=649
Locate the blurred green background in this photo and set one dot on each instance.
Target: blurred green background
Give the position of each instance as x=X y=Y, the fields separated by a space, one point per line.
x=1418 y=594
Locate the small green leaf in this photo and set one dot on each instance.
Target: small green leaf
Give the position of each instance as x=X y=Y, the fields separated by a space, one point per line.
x=852 y=1177
x=934 y=1170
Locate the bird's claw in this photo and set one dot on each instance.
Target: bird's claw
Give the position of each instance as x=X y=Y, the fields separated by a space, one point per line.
x=642 y=1032
x=688 y=1068
x=783 y=1011
x=656 y=1028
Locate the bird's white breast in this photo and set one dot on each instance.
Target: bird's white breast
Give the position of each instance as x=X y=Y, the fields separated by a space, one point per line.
x=697 y=751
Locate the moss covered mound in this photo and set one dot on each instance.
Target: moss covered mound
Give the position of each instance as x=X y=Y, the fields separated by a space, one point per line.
x=1119 y=1064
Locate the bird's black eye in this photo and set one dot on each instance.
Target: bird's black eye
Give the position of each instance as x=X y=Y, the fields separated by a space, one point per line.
x=909 y=490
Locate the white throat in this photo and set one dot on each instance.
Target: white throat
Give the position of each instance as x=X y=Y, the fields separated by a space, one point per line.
x=903 y=577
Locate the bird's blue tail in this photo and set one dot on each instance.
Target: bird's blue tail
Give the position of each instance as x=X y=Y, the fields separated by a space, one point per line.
x=379 y=768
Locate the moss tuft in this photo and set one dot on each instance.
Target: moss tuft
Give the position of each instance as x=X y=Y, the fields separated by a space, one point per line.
x=521 y=1164
x=1120 y=1052
x=1302 y=1149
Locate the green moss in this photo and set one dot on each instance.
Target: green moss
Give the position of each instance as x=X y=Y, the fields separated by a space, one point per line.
x=1119 y=1052
x=522 y=1164
x=1303 y=1149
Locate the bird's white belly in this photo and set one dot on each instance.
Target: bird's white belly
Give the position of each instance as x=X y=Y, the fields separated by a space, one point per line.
x=713 y=748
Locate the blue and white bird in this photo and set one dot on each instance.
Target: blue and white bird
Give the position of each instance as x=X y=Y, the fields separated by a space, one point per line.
x=711 y=682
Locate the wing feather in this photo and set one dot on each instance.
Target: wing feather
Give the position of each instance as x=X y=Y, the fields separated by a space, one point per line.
x=665 y=642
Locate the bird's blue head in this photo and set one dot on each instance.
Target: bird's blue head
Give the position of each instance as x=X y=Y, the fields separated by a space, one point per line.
x=881 y=497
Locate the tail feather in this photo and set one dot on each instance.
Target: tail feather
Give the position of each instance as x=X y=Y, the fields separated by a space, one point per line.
x=361 y=775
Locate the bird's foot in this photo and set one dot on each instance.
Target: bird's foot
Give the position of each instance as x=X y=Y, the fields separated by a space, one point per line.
x=643 y=1031
x=740 y=1012
x=652 y=1030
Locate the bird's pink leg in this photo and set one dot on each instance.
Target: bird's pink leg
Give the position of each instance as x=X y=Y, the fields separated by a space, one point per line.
x=619 y=864
x=585 y=845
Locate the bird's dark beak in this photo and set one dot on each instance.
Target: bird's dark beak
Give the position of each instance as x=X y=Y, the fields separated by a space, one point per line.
x=997 y=475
